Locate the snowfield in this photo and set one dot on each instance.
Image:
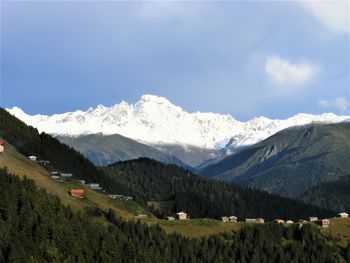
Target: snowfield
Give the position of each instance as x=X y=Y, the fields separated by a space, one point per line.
x=155 y=120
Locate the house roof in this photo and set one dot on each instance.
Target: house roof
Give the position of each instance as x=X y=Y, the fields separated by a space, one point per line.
x=181 y=213
x=77 y=191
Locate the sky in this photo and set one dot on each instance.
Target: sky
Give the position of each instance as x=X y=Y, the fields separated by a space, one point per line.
x=244 y=58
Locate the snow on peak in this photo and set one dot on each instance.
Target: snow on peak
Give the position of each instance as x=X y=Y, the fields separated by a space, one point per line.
x=155 y=120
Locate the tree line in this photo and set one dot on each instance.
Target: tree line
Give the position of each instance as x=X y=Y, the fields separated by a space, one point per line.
x=36 y=227
x=150 y=180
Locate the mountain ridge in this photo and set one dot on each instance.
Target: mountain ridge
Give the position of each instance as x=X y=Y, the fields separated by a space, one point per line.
x=155 y=120
x=289 y=162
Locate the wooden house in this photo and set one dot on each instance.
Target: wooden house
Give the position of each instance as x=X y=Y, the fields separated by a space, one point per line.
x=32 y=158
x=225 y=219
x=2 y=146
x=325 y=223
x=79 y=193
x=181 y=215
x=260 y=220
x=55 y=177
x=233 y=219
x=313 y=218
x=95 y=186
x=66 y=175
x=343 y=215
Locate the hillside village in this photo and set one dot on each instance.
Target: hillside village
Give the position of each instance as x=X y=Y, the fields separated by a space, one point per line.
x=182 y=216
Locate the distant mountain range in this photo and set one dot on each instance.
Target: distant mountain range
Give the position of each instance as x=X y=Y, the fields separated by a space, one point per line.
x=290 y=162
x=191 y=137
x=103 y=150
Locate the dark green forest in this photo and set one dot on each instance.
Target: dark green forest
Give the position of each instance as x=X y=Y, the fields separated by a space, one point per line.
x=36 y=227
x=330 y=195
x=152 y=180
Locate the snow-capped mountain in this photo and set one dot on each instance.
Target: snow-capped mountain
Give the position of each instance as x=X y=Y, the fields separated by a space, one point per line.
x=156 y=121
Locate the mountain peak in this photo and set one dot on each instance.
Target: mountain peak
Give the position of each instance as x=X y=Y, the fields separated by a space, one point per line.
x=155 y=120
x=154 y=98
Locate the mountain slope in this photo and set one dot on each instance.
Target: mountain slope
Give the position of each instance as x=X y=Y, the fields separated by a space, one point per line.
x=156 y=121
x=103 y=150
x=289 y=162
x=36 y=227
x=154 y=181
x=18 y=164
x=330 y=195
x=28 y=141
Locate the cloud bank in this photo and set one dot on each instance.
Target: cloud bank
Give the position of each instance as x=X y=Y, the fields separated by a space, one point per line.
x=287 y=74
x=334 y=15
x=340 y=103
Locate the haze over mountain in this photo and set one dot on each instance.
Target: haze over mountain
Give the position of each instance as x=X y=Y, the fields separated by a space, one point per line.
x=156 y=121
x=107 y=149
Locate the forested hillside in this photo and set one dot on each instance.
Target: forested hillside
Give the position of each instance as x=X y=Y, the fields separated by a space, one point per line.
x=289 y=162
x=28 y=141
x=330 y=195
x=36 y=227
x=200 y=197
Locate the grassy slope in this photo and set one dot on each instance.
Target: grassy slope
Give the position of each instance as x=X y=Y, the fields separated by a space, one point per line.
x=19 y=164
x=340 y=229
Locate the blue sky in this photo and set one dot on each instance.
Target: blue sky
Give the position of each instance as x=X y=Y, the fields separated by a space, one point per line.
x=247 y=58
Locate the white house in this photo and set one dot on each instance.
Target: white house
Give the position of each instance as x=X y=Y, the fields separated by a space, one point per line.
x=343 y=215
x=2 y=146
x=95 y=186
x=313 y=218
x=32 y=158
x=225 y=219
x=66 y=175
x=233 y=218
x=181 y=215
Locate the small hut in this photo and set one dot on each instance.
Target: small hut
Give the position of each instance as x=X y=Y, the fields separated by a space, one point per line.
x=181 y=215
x=32 y=158
x=343 y=215
x=2 y=146
x=233 y=218
x=225 y=219
x=79 y=193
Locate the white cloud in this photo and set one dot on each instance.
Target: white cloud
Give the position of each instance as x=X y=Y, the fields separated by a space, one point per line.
x=340 y=103
x=286 y=74
x=332 y=14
